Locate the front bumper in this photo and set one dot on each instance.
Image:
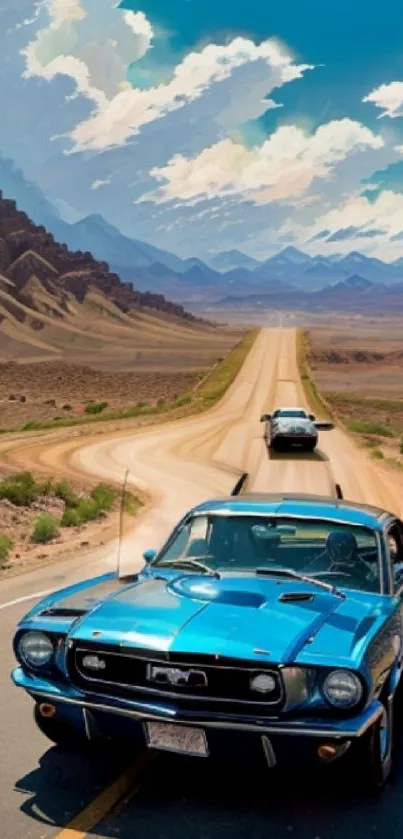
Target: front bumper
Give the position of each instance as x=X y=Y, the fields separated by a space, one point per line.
x=305 y=726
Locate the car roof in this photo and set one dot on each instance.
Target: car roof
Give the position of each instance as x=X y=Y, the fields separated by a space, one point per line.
x=290 y=408
x=299 y=504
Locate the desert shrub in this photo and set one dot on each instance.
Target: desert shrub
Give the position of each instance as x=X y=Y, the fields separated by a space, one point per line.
x=88 y=510
x=67 y=408
x=23 y=398
x=104 y=496
x=377 y=454
x=64 y=491
x=20 y=489
x=45 y=487
x=401 y=446
x=45 y=529
x=70 y=517
x=5 y=547
x=95 y=407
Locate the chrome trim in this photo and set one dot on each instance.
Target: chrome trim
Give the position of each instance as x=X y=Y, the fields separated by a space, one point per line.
x=269 y=752
x=198 y=697
x=88 y=724
x=257 y=726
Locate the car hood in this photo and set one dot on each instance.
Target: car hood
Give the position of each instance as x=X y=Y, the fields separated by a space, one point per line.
x=244 y=617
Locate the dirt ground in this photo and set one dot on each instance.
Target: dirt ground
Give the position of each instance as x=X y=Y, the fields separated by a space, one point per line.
x=17 y=523
x=54 y=390
x=357 y=365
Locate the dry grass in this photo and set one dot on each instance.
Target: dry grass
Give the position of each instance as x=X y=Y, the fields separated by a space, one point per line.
x=359 y=372
x=119 y=395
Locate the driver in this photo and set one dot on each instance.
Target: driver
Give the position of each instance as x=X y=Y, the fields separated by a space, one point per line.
x=340 y=555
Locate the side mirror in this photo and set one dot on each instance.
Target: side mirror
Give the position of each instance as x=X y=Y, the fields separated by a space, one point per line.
x=312 y=417
x=149 y=555
x=324 y=426
x=265 y=417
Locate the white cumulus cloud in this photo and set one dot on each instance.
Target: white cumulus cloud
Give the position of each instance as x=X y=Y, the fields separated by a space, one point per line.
x=281 y=169
x=385 y=212
x=132 y=108
x=90 y=41
x=389 y=98
x=384 y=215
x=100 y=182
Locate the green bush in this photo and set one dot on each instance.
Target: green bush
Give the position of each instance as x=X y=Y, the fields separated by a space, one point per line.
x=64 y=491
x=104 y=496
x=46 y=487
x=88 y=510
x=45 y=529
x=20 y=489
x=5 y=547
x=95 y=407
x=70 y=518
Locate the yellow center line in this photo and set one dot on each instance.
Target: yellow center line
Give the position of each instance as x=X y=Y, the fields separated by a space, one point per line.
x=85 y=821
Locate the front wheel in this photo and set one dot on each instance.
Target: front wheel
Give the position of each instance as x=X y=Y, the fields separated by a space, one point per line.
x=374 y=752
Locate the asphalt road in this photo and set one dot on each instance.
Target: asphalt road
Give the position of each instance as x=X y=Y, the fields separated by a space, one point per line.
x=43 y=788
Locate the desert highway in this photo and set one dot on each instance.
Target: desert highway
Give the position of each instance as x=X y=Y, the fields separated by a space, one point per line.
x=179 y=464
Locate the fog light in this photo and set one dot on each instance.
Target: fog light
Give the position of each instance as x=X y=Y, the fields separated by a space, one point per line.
x=47 y=710
x=327 y=752
x=263 y=683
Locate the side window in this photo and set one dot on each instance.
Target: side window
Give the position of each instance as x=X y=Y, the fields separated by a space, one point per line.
x=394 y=541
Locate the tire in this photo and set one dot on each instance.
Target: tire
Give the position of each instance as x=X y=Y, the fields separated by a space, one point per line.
x=311 y=446
x=374 y=752
x=59 y=733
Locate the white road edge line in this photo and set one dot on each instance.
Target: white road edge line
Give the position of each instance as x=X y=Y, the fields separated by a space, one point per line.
x=35 y=596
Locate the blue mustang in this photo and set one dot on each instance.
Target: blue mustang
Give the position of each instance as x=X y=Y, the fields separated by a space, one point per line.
x=266 y=621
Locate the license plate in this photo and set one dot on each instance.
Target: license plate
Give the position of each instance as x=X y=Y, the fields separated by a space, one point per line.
x=176 y=738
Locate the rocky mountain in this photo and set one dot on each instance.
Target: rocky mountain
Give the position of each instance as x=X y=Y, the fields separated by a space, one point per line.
x=28 y=250
x=190 y=281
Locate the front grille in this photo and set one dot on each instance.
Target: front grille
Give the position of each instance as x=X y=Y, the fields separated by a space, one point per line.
x=226 y=682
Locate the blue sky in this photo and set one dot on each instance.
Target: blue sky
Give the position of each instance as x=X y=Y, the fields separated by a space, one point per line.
x=201 y=125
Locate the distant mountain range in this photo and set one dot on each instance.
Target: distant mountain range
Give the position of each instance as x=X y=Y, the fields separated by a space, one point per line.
x=288 y=276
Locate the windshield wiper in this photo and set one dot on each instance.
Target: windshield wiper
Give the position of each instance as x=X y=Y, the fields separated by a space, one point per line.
x=188 y=563
x=289 y=573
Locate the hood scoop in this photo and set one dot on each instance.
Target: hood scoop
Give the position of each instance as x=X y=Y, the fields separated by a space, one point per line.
x=59 y=612
x=297 y=597
x=213 y=592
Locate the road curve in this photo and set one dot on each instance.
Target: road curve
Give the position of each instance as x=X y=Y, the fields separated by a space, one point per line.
x=186 y=461
x=179 y=463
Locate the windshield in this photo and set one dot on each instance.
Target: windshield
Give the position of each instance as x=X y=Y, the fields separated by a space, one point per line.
x=345 y=555
x=300 y=414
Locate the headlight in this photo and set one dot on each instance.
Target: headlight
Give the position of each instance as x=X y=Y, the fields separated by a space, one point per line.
x=342 y=688
x=35 y=648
